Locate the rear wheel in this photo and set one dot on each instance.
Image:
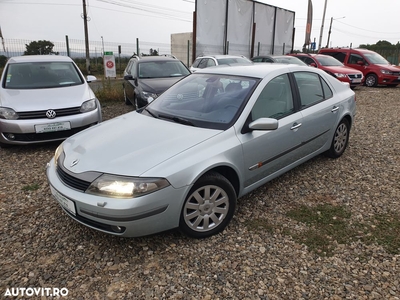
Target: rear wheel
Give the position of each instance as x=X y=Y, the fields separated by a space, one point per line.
x=340 y=139
x=209 y=206
x=371 y=80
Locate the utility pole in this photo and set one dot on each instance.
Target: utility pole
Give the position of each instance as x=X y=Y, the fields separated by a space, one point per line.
x=330 y=30
x=322 y=26
x=85 y=20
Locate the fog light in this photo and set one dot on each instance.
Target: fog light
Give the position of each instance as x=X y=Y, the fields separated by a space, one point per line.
x=10 y=136
x=117 y=229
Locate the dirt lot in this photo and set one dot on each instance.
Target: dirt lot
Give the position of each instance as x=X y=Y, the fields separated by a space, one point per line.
x=263 y=254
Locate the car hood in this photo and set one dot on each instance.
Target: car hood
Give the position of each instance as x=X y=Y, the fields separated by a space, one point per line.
x=342 y=69
x=158 y=85
x=43 y=99
x=149 y=142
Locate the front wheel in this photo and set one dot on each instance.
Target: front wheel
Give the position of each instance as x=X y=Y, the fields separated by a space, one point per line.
x=340 y=139
x=371 y=80
x=209 y=206
x=127 y=102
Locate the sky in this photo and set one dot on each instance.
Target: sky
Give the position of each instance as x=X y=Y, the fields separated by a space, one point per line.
x=355 y=22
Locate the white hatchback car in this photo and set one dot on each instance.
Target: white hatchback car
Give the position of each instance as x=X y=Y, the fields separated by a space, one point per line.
x=44 y=98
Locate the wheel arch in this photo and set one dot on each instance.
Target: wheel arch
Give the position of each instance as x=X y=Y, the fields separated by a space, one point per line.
x=229 y=173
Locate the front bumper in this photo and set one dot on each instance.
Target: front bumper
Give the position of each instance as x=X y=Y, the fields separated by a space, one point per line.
x=153 y=213
x=22 y=132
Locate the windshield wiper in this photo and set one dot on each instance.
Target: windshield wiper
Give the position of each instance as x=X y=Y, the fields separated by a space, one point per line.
x=177 y=120
x=150 y=113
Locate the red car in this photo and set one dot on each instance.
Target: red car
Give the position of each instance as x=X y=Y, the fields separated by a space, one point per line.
x=376 y=69
x=333 y=67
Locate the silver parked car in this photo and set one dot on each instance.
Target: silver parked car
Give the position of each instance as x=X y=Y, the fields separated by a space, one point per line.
x=44 y=98
x=214 y=136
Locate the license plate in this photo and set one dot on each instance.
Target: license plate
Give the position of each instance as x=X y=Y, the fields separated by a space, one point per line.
x=356 y=80
x=51 y=127
x=69 y=205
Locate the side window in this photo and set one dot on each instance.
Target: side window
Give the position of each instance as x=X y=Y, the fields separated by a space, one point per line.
x=312 y=88
x=275 y=100
x=203 y=63
x=258 y=59
x=354 y=58
x=210 y=63
x=196 y=63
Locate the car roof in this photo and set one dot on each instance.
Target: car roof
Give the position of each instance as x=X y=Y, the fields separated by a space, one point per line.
x=38 y=58
x=253 y=70
x=222 y=56
x=153 y=58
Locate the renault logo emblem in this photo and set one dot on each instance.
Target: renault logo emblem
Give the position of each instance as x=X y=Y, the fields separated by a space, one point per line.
x=74 y=163
x=51 y=114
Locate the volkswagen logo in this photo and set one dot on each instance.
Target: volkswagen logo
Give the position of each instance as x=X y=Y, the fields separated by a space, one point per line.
x=51 y=114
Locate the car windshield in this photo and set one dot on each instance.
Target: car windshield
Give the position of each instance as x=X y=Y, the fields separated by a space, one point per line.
x=233 y=60
x=328 y=61
x=204 y=100
x=159 y=69
x=375 y=58
x=39 y=75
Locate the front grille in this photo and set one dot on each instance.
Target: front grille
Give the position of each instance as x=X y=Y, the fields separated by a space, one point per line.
x=40 y=114
x=355 y=76
x=46 y=136
x=72 y=181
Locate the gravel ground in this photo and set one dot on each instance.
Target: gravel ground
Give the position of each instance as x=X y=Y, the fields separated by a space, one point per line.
x=43 y=248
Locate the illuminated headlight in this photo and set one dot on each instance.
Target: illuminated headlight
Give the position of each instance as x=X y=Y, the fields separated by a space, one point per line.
x=387 y=72
x=58 y=152
x=340 y=75
x=149 y=96
x=8 y=114
x=88 y=106
x=125 y=187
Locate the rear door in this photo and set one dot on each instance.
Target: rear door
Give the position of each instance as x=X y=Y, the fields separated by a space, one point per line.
x=318 y=108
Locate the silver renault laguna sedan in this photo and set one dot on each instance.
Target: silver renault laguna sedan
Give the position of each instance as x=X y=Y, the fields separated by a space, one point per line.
x=44 y=98
x=183 y=160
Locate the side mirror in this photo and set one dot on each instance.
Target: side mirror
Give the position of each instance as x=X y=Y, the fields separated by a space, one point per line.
x=128 y=77
x=360 y=62
x=313 y=65
x=91 y=78
x=264 y=124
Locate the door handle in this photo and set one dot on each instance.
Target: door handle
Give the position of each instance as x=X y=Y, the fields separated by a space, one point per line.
x=335 y=108
x=295 y=126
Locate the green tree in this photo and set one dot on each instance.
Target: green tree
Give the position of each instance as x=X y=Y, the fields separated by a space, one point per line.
x=3 y=60
x=39 y=47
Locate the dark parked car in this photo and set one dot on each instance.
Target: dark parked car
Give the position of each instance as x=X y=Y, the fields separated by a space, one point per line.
x=145 y=78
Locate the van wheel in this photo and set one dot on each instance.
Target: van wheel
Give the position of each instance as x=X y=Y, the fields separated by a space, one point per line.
x=371 y=80
x=209 y=206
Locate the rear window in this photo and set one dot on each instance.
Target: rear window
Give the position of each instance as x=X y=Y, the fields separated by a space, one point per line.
x=40 y=75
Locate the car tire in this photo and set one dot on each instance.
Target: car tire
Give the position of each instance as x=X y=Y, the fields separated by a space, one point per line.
x=209 y=206
x=127 y=102
x=371 y=80
x=340 y=140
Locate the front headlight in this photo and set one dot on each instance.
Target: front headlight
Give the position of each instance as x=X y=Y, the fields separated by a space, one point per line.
x=340 y=75
x=8 y=113
x=387 y=72
x=58 y=152
x=88 y=106
x=149 y=96
x=125 y=187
